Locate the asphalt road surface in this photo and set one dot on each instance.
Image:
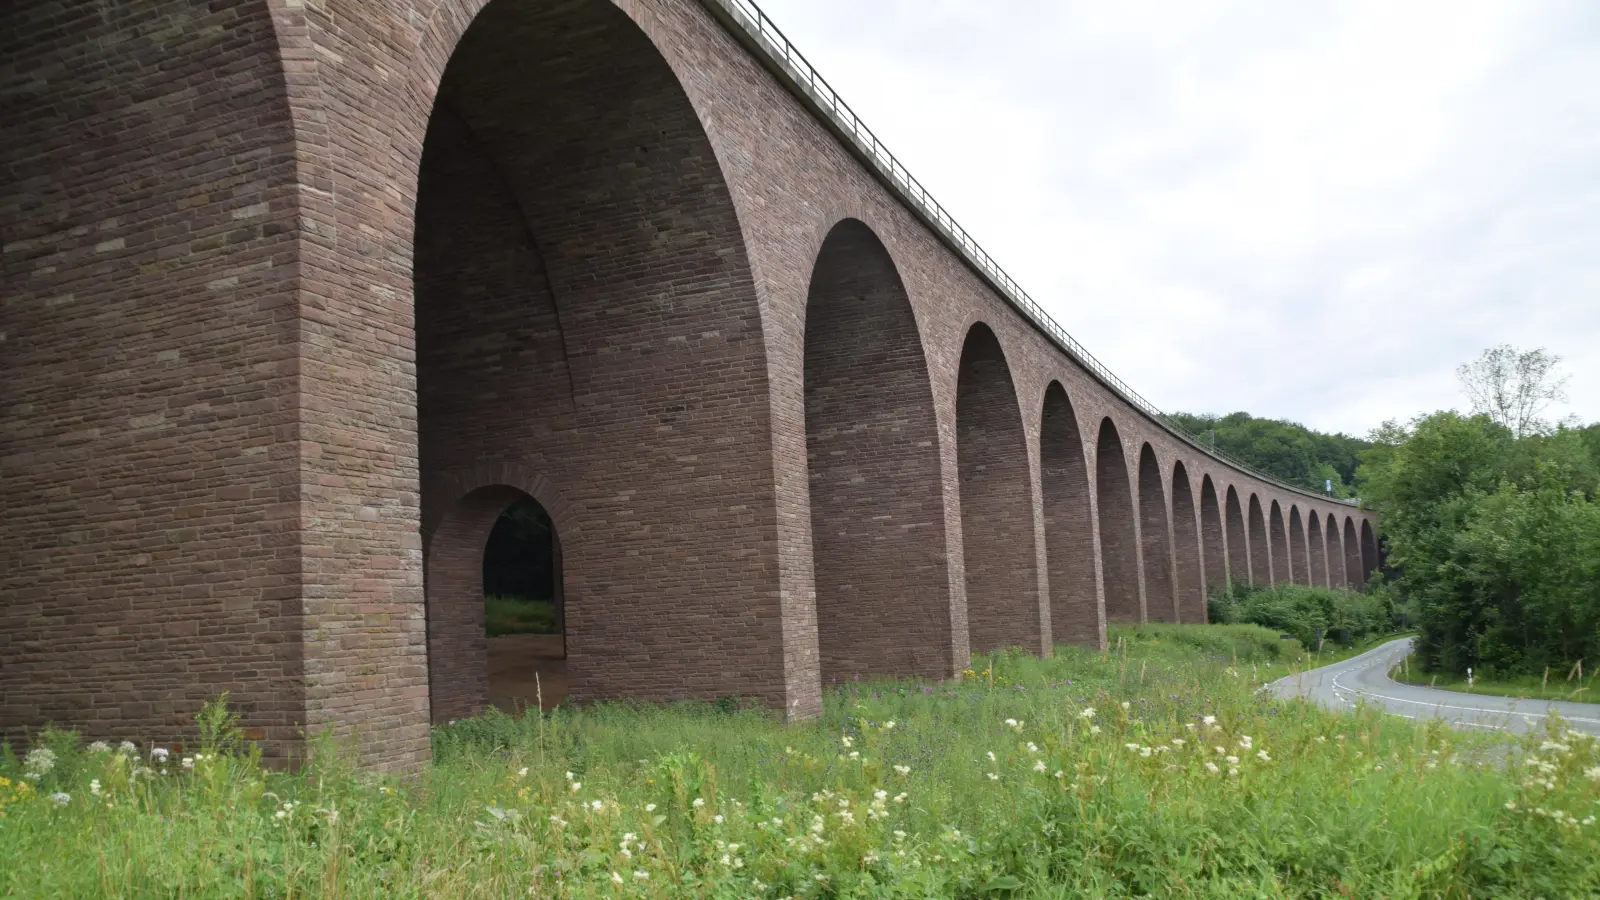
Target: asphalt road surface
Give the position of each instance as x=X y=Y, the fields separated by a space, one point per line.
x=1365 y=678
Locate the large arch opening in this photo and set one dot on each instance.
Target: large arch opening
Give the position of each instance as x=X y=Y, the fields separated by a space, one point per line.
x=1282 y=568
x=1336 y=572
x=1354 y=576
x=1160 y=599
x=1299 y=567
x=1238 y=542
x=1076 y=615
x=1191 y=603
x=997 y=525
x=1369 y=551
x=1119 y=550
x=578 y=270
x=1260 y=555
x=877 y=504
x=1214 y=547
x=1318 y=550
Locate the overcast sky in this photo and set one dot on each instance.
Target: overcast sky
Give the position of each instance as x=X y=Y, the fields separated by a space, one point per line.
x=1311 y=211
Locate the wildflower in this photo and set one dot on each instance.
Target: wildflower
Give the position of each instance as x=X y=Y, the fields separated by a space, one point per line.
x=900 y=797
x=1234 y=772
x=1011 y=723
x=855 y=754
x=649 y=807
x=1132 y=747
x=1321 y=739
x=899 y=835
x=698 y=802
x=159 y=755
x=889 y=725
x=902 y=770
x=1208 y=721
x=717 y=819
x=1088 y=713
x=1032 y=748
x=61 y=799
x=596 y=805
x=99 y=747
x=1263 y=755
x=1126 y=706
x=1177 y=742
x=641 y=875
x=127 y=748
x=616 y=878
x=575 y=786
x=522 y=772
x=1245 y=742
x=1592 y=773
x=1094 y=729
x=1511 y=804
x=94 y=787
x=993 y=777
x=39 y=762
x=847 y=741
x=1221 y=751
x=188 y=762
x=990 y=754
x=1039 y=766
x=1144 y=751
x=1212 y=768
x=1233 y=760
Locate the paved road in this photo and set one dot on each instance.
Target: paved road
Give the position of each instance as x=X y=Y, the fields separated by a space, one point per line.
x=1365 y=678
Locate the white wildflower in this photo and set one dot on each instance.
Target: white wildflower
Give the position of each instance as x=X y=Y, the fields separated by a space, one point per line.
x=94 y=787
x=1039 y=766
x=99 y=747
x=61 y=798
x=1088 y=713
x=616 y=878
x=1263 y=755
x=902 y=770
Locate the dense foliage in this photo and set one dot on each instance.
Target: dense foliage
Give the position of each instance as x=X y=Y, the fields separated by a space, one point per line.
x=1343 y=617
x=519 y=615
x=1157 y=769
x=1494 y=539
x=1285 y=450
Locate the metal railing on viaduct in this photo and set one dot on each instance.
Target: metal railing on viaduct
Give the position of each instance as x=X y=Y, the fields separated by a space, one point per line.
x=760 y=35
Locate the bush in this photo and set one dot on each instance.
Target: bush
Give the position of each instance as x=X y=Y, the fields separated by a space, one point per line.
x=1341 y=616
x=518 y=615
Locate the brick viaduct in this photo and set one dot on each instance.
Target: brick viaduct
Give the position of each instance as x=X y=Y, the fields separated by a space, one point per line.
x=300 y=294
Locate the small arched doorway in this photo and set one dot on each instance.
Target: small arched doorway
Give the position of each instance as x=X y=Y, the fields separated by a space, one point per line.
x=496 y=606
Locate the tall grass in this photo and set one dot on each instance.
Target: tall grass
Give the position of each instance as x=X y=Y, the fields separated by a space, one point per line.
x=503 y=614
x=1154 y=769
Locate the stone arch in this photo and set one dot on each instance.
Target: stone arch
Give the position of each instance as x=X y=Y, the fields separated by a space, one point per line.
x=1354 y=576
x=1119 y=542
x=1214 y=547
x=578 y=268
x=997 y=523
x=1191 y=602
x=1160 y=597
x=1299 y=567
x=1260 y=554
x=877 y=504
x=1318 y=550
x=1281 y=569
x=1336 y=572
x=1076 y=614
x=1369 y=551
x=1238 y=541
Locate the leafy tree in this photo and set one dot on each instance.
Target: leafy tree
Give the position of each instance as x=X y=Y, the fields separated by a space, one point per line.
x=1513 y=387
x=1285 y=450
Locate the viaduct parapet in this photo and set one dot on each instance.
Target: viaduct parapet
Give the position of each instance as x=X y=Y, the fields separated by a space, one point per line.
x=299 y=295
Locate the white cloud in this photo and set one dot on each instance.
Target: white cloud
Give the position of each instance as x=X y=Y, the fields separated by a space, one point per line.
x=1304 y=211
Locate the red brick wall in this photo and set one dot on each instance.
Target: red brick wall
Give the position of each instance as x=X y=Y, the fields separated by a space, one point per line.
x=1260 y=549
x=1278 y=546
x=1213 y=538
x=1297 y=548
x=1077 y=613
x=1119 y=542
x=877 y=513
x=1238 y=542
x=1003 y=608
x=1191 y=605
x=1317 y=549
x=1160 y=599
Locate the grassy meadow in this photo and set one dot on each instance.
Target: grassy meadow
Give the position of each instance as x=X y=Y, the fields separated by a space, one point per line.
x=1154 y=769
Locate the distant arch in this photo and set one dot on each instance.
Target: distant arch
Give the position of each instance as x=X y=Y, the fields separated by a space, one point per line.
x=1076 y=614
x=1260 y=557
x=1214 y=545
x=1299 y=565
x=1281 y=572
x=1238 y=540
x=1160 y=600
x=1317 y=550
x=1336 y=573
x=1191 y=602
x=1119 y=549
x=1353 y=575
x=877 y=500
x=997 y=523
x=1369 y=551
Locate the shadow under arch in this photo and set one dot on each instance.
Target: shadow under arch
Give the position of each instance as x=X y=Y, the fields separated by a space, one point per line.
x=1317 y=548
x=578 y=267
x=1119 y=546
x=877 y=507
x=1369 y=551
x=1336 y=571
x=1354 y=576
x=1299 y=567
x=1160 y=599
x=1191 y=600
x=997 y=524
x=1214 y=546
x=1238 y=541
x=1260 y=554
x=1281 y=566
x=1077 y=615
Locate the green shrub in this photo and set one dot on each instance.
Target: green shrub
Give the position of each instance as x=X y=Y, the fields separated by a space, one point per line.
x=1343 y=617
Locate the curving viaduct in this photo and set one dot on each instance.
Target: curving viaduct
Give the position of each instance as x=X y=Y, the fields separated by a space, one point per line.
x=301 y=294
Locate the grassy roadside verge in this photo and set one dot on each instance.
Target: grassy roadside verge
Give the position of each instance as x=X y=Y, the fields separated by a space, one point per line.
x=1156 y=768
x=1523 y=688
